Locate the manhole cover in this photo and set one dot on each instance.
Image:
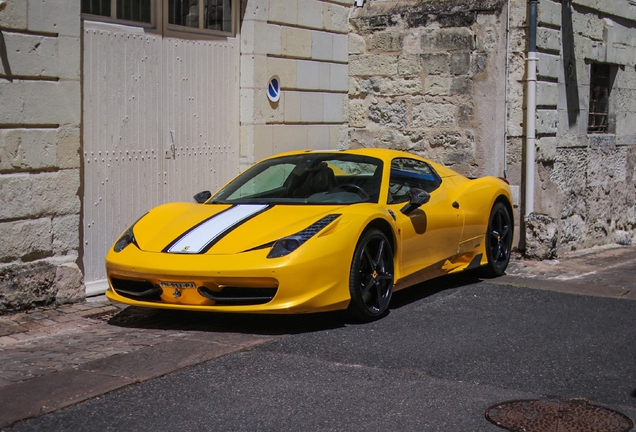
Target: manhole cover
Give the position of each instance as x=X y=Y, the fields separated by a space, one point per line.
x=557 y=415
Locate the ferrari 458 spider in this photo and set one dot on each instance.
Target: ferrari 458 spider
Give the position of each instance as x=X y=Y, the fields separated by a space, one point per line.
x=311 y=231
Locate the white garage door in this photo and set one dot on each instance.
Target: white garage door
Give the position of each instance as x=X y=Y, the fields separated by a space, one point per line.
x=160 y=123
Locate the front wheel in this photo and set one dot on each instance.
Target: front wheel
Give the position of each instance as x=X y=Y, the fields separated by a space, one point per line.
x=498 y=240
x=371 y=277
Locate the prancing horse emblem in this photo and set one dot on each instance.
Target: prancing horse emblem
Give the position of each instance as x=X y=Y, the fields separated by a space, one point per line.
x=176 y=293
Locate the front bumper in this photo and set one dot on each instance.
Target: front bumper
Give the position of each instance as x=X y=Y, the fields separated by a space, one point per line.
x=310 y=279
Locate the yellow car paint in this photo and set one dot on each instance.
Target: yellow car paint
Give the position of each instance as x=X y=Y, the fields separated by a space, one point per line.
x=445 y=235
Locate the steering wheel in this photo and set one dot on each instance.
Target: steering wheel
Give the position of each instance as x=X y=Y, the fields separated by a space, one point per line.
x=355 y=189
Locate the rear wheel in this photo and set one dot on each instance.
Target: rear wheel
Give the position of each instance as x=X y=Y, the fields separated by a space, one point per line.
x=371 y=276
x=498 y=240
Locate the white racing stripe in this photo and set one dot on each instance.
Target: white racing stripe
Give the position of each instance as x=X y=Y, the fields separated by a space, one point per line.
x=197 y=239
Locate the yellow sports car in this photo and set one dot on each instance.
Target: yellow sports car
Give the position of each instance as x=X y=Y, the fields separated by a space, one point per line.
x=311 y=231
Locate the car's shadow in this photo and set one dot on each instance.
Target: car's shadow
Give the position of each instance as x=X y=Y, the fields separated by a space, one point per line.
x=262 y=324
x=176 y=320
x=434 y=286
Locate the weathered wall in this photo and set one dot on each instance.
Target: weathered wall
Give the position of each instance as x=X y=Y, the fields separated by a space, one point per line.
x=304 y=43
x=40 y=114
x=429 y=76
x=426 y=76
x=584 y=182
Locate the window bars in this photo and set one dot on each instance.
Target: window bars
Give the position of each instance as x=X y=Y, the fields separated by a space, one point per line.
x=599 y=98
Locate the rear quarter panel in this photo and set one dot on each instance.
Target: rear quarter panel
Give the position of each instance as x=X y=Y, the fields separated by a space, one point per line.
x=476 y=199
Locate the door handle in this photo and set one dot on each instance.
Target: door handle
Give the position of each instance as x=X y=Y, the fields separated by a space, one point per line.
x=170 y=151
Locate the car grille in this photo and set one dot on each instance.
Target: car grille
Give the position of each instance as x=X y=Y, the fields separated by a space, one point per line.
x=232 y=295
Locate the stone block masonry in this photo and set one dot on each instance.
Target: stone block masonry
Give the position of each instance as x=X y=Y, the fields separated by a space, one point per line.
x=305 y=44
x=585 y=180
x=429 y=77
x=423 y=78
x=40 y=115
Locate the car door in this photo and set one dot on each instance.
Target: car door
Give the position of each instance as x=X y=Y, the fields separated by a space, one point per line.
x=429 y=235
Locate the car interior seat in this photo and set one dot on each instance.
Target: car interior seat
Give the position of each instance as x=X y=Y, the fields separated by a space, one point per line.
x=321 y=179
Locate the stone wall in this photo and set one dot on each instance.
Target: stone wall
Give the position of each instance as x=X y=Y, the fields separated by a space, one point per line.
x=585 y=181
x=39 y=153
x=429 y=76
x=425 y=76
x=304 y=43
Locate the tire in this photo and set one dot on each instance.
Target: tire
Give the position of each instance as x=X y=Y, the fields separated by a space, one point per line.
x=498 y=240
x=371 y=277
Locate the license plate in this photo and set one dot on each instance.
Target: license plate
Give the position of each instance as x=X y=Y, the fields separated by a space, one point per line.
x=177 y=285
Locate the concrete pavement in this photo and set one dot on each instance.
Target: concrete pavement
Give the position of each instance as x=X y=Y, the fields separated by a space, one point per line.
x=56 y=357
x=607 y=271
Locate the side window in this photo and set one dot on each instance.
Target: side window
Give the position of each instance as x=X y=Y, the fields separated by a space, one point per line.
x=410 y=173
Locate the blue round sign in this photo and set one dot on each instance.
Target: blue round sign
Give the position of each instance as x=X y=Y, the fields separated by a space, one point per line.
x=273 y=89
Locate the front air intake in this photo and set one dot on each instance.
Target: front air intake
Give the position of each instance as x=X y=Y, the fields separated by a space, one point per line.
x=136 y=289
x=238 y=296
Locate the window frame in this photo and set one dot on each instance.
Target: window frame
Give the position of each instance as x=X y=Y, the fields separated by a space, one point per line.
x=113 y=16
x=437 y=180
x=177 y=29
x=159 y=21
x=605 y=79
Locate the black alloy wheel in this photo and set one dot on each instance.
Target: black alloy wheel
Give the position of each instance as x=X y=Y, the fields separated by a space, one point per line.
x=371 y=277
x=498 y=240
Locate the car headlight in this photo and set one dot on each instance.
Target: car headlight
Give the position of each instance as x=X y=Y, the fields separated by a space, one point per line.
x=127 y=238
x=286 y=245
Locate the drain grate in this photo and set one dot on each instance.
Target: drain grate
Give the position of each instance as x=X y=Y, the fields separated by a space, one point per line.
x=557 y=415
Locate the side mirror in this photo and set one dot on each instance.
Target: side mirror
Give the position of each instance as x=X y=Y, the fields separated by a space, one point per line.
x=202 y=197
x=419 y=197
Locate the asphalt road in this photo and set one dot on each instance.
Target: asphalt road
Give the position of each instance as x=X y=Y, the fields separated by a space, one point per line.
x=447 y=351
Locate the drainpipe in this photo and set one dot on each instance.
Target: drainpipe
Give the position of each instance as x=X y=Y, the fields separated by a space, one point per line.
x=531 y=105
x=507 y=76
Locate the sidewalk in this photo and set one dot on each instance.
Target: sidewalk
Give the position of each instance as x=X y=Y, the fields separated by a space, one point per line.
x=607 y=271
x=55 y=357
x=58 y=356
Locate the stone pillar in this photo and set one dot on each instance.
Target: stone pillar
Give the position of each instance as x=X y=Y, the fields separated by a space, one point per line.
x=40 y=115
x=304 y=44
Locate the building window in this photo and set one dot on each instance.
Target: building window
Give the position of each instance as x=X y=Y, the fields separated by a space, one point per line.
x=96 y=7
x=126 y=10
x=600 y=87
x=194 y=16
x=134 y=10
x=201 y=14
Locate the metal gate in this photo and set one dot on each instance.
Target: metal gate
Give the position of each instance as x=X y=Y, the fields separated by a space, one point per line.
x=160 y=123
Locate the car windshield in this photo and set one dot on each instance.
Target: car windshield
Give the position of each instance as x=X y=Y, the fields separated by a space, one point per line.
x=308 y=178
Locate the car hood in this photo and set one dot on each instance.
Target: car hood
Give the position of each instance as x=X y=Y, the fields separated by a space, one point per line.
x=221 y=229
